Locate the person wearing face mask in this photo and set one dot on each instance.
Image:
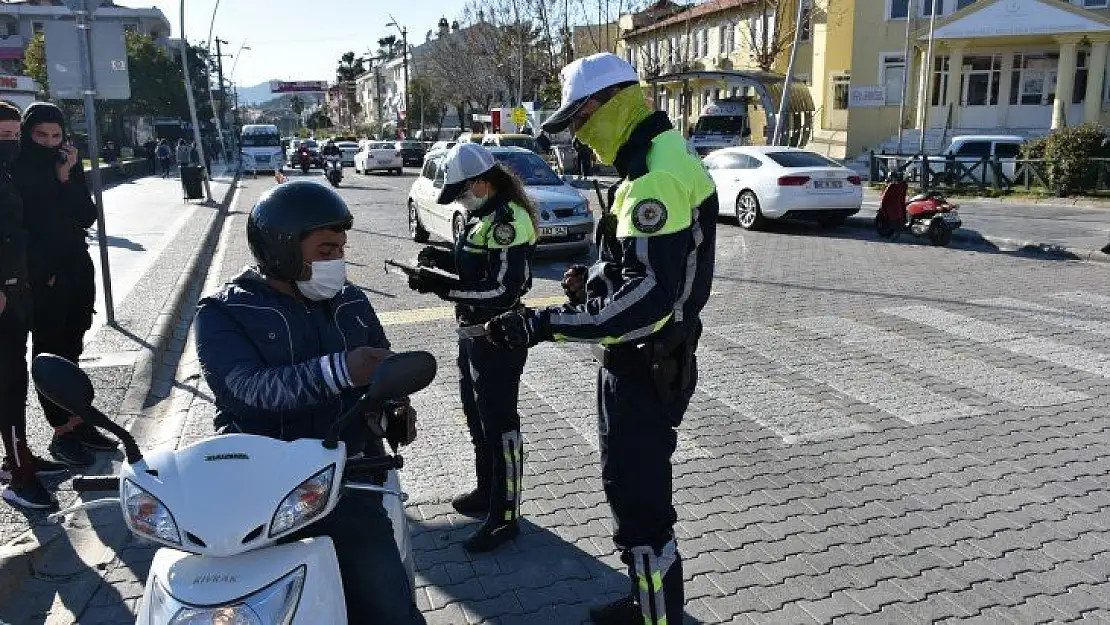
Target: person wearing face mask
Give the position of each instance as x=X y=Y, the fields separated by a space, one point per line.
x=643 y=318
x=286 y=347
x=58 y=210
x=492 y=258
x=20 y=467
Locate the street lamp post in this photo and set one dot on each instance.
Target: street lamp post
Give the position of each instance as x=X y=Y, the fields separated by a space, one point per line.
x=405 y=64
x=231 y=81
x=193 y=104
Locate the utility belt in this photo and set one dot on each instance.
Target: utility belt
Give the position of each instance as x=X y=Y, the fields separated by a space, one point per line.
x=668 y=356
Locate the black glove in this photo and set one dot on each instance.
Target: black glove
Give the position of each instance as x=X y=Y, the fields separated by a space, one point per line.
x=434 y=257
x=423 y=284
x=517 y=328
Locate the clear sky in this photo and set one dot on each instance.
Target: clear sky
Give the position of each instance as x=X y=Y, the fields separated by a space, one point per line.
x=299 y=39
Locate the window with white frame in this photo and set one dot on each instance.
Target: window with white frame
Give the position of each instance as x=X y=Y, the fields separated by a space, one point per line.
x=939 y=85
x=703 y=43
x=928 y=6
x=898 y=9
x=1095 y=4
x=981 y=76
x=961 y=4
x=841 y=83
x=1032 y=75
x=763 y=25
x=724 y=46
x=892 y=74
x=1079 y=92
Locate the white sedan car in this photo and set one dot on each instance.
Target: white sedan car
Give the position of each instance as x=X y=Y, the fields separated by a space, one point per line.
x=757 y=183
x=378 y=156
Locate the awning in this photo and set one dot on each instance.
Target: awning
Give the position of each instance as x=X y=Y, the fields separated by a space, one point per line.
x=768 y=87
x=11 y=53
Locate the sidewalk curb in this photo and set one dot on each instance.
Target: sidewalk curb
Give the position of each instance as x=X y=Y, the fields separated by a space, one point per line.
x=1029 y=247
x=1051 y=202
x=18 y=556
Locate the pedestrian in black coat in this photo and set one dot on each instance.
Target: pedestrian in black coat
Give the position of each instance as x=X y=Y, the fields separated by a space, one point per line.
x=58 y=212
x=20 y=467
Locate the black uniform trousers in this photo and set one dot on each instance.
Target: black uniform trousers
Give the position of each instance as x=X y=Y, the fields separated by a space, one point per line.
x=636 y=432
x=14 y=325
x=63 y=313
x=489 y=385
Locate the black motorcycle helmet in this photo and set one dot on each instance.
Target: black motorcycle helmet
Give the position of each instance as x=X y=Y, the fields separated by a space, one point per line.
x=896 y=175
x=283 y=217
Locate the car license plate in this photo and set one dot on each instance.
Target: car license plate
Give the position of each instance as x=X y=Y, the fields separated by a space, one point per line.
x=827 y=184
x=553 y=231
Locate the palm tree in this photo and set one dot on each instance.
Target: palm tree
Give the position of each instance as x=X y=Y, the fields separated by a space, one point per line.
x=349 y=67
x=296 y=103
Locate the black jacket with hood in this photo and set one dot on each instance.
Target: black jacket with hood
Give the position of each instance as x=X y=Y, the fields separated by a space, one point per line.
x=56 y=214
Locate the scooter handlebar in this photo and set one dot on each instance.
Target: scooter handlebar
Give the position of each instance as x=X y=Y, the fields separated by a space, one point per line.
x=92 y=483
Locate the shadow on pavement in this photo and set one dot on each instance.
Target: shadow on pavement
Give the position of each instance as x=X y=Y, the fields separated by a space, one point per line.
x=538 y=578
x=120 y=242
x=860 y=229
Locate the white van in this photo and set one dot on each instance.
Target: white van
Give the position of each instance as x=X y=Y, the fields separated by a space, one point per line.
x=969 y=151
x=722 y=124
x=260 y=148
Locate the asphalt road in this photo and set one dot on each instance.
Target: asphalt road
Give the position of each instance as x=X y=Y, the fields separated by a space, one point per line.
x=883 y=432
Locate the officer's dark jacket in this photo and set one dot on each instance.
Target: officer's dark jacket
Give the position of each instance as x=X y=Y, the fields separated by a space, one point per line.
x=277 y=365
x=56 y=215
x=666 y=224
x=493 y=261
x=13 y=254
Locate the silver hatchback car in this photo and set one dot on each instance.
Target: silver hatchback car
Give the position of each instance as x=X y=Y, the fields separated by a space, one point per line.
x=565 y=220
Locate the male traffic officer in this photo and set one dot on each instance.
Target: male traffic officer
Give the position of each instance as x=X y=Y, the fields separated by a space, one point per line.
x=640 y=307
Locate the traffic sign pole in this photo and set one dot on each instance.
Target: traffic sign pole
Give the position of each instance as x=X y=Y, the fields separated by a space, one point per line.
x=84 y=51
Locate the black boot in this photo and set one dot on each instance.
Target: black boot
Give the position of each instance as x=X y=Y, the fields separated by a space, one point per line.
x=504 y=506
x=476 y=502
x=647 y=604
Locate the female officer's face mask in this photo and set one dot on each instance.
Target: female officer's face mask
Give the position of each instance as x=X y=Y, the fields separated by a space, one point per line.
x=328 y=279
x=471 y=201
x=609 y=127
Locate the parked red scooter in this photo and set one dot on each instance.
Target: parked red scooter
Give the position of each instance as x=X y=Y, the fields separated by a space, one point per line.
x=929 y=214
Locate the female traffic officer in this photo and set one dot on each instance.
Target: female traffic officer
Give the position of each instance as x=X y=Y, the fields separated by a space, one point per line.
x=492 y=258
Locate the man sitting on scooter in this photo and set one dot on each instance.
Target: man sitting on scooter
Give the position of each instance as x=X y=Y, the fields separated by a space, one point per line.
x=286 y=347
x=331 y=149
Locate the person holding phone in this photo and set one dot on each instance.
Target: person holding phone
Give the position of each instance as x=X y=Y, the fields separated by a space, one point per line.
x=57 y=212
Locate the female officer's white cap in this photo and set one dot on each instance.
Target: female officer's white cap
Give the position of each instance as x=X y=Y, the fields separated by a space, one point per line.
x=584 y=77
x=463 y=162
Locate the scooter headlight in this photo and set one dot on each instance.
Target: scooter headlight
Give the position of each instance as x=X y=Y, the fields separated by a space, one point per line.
x=148 y=516
x=275 y=604
x=304 y=503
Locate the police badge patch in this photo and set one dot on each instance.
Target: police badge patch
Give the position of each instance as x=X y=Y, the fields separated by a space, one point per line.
x=649 y=216
x=504 y=234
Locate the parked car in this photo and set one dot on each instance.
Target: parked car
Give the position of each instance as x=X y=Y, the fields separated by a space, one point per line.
x=528 y=142
x=565 y=220
x=412 y=152
x=759 y=183
x=441 y=145
x=349 y=149
x=378 y=156
x=969 y=151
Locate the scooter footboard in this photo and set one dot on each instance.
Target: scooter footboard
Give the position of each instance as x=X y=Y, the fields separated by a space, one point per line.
x=179 y=580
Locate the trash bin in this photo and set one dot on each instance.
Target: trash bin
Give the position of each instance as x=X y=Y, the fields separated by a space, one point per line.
x=191 y=181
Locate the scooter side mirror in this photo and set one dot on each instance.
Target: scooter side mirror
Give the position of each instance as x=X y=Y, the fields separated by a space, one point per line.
x=398 y=376
x=401 y=375
x=62 y=382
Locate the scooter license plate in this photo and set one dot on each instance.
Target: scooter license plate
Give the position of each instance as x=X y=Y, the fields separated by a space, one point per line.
x=951 y=217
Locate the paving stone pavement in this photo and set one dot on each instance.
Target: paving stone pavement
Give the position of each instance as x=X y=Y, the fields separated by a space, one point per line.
x=883 y=433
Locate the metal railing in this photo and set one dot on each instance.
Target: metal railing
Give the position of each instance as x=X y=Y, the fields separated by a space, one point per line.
x=962 y=173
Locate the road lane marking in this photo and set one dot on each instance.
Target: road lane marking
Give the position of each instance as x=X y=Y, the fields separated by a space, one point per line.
x=437 y=313
x=901 y=399
x=1014 y=341
x=1047 y=314
x=792 y=416
x=1009 y=386
x=565 y=377
x=1094 y=300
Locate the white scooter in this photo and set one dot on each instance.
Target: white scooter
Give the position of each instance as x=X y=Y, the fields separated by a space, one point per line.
x=334 y=169
x=220 y=505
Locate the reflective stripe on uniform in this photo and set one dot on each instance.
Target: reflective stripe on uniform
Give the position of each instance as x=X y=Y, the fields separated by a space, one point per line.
x=513 y=449
x=649 y=571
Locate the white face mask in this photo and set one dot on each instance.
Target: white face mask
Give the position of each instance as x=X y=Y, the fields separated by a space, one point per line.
x=470 y=201
x=328 y=279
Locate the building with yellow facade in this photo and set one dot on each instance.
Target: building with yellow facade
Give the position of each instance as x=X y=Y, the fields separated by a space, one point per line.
x=998 y=66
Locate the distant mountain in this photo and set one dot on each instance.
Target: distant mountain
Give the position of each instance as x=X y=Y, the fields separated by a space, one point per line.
x=256 y=94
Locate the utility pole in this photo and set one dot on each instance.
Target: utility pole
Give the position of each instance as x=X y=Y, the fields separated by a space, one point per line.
x=924 y=103
x=405 y=64
x=223 y=98
x=780 y=119
x=193 y=105
x=905 y=74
